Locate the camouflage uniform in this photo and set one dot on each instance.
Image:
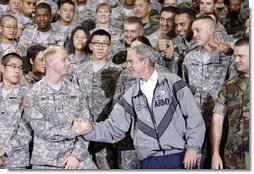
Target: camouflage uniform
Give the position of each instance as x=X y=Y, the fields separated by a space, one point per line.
x=181 y=48
x=99 y=88
x=234 y=25
x=205 y=78
x=115 y=34
x=64 y=32
x=151 y=26
x=31 y=37
x=51 y=114
x=73 y=67
x=31 y=78
x=84 y=14
x=24 y=21
x=233 y=103
x=127 y=156
x=12 y=46
x=118 y=16
x=14 y=137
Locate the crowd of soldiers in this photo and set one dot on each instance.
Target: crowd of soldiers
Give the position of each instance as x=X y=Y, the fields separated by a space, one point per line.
x=65 y=59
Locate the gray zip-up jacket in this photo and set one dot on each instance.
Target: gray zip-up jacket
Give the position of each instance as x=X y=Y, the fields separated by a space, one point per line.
x=172 y=125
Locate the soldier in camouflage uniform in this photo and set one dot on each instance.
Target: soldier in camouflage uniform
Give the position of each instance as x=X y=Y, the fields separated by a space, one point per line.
x=14 y=137
x=205 y=70
x=26 y=13
x=35 y=57
x=83 y=12
x=97 y=79
x=53 y=103
x=42 y=33
x=233 y=106
x=141 y=10
x=184 y=42
x=65 y=24
x=94 y=3
x=103 y=15
x=8 y=28
x=79 y=41
x=233 y=22
x=132 y=28
x=120 y=13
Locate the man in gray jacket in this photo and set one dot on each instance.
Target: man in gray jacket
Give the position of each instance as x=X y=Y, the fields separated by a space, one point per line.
x=166 y=125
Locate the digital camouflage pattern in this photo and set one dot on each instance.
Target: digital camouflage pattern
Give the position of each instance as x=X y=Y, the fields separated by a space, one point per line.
x=51 y=114
x=31 y=78
x=205 y=77
x=73 y=67
x=30 y=36
x=99 y=89
x=151 y=26
x=233 y=102
x=14 y=137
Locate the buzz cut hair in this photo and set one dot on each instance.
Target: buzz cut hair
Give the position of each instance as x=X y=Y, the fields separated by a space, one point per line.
x=6 y=58
x=5 y=18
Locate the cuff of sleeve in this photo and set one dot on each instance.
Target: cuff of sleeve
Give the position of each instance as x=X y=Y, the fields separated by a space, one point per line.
x=68 y=133
x=7 y=149
x=220 y=109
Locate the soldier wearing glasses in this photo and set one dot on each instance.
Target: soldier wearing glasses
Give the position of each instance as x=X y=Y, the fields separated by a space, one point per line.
x=14 y=137
x=97 y=79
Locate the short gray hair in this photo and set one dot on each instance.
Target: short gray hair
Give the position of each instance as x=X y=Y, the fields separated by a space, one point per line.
x=143 y=51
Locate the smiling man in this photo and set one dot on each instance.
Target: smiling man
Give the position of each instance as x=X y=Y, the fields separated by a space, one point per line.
x=233 y=103
x=163 y=137
x=205 y=70
x=97 y=79
x=42 y=33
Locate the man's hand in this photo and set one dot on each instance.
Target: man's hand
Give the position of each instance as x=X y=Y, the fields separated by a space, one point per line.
x=81 y=126
x=225 y=48
x=2 y=152
x=216 y=162
x=190 y=158
x=161 y=45
x=170 y=51
x=71 y=163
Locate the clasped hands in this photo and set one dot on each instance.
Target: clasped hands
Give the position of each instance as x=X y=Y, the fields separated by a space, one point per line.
x=81 y=126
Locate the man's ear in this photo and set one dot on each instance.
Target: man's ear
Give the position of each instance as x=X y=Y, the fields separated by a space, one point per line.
x=1 y=68
x=31 y=61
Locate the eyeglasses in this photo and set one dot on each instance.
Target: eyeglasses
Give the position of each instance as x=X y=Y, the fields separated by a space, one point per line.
x=97 y=44
x=11 y=27
x=13 y=66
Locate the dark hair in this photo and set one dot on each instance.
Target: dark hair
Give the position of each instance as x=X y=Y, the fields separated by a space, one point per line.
x=142 y=39
x=184 y=10
x=101 y=32
x=72 y=49
x=242 y=42
x=6 y=58
x=171 y=9
x=33 y=51
x=66 y=2
x=43 y=5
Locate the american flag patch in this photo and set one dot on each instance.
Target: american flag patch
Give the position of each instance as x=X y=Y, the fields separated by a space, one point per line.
x=161 y=93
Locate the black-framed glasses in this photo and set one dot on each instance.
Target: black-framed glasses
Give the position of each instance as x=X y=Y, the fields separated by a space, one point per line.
x=13 y=66
x=10 y=27
x=97 y=44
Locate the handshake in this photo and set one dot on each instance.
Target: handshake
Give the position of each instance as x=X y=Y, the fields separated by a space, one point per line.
x=81 y=126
